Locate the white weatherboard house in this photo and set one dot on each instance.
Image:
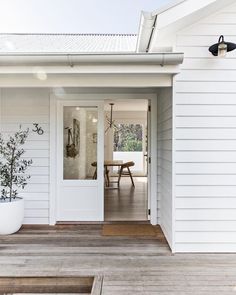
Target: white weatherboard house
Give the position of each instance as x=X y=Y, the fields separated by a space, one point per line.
x=45 y=79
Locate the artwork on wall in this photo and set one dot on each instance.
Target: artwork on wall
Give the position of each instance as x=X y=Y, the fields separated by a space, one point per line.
x=95 y=137
x=73 y=141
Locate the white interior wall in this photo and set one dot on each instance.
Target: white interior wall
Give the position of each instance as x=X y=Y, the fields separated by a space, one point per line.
x=164 y=160
x=205 y=143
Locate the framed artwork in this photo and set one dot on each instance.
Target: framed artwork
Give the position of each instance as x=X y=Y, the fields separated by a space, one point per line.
x=95 y=137
x=73 y=144
x=76 y=133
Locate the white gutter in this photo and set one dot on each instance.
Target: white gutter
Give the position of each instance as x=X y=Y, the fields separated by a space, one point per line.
x=76 y=59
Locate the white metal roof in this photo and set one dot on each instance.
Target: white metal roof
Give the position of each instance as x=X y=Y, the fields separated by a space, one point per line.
x=67 y=43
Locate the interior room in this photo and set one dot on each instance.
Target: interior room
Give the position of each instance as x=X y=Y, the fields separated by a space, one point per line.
x=126 y=155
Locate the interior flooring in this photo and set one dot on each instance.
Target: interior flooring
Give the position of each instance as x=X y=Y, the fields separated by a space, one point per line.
x=128 y=265
x=127 y=203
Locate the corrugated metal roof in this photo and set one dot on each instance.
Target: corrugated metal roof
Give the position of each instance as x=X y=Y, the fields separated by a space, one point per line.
x=67 y=43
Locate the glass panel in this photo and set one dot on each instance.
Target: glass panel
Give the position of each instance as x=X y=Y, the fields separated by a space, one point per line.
x=80 y=142
x=128 y=145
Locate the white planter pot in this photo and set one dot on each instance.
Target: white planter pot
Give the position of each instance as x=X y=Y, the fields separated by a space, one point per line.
x=11 y=216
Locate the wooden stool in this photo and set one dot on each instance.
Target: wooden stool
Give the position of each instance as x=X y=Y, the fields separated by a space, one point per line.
x=121 y=172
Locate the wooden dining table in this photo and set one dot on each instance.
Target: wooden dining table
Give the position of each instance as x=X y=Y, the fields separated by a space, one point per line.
x=107 y=164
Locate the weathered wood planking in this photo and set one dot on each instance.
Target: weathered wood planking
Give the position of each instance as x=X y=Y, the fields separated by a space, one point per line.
x=124 y=265
x=37 y=285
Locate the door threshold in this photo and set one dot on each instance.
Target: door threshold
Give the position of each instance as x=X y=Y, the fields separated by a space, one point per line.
x=102 y=222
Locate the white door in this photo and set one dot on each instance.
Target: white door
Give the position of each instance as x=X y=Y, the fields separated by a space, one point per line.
x=148 y=157
x=80 y=143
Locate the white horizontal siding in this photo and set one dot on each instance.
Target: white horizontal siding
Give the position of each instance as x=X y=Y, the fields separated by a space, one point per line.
x=164 y=146
x=205 y=134
x=206 y=203
x=205 y=157
x=205 y=99
x=207 y=75
x=196 y=191
x=205 y=139
x=206 y=168
x=206 y=226
x=25 y=107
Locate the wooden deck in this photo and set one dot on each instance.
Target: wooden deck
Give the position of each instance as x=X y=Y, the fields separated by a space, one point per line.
x=129 y=265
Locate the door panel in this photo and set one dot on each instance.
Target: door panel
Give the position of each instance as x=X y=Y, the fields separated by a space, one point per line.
x=80 y=143
x=148 y=157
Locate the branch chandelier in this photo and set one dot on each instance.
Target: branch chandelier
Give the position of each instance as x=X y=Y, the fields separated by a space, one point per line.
x=110 y=121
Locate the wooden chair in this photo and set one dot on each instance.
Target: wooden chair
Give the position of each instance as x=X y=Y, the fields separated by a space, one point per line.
x=106 y=174
x=125 y=171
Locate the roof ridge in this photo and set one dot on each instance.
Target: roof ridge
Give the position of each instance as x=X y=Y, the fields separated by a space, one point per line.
x=68 y=34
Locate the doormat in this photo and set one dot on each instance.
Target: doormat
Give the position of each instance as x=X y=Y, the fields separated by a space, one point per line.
x=128 y=230
x=47 y=285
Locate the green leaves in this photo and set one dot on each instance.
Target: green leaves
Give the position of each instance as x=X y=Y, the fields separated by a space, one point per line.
x=12 y=166
x=128 y=138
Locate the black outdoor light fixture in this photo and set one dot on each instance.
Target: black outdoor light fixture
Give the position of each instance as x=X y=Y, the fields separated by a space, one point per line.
x=221 y=48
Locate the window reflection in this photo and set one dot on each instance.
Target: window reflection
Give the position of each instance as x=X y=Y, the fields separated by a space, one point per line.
x=80 y=141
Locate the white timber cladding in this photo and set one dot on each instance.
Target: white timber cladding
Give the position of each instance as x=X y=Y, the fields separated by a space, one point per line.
x=205 y=138
x=164 y=160
x=25 y=107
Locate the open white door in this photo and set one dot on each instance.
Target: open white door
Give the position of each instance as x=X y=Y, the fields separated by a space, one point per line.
x=80 y=142
x=148 y=157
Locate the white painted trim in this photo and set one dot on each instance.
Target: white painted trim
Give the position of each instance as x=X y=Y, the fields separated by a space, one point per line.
x=173 y=166
x=167 y=7
x=100 y=156
x=93 y=69
x=52 y=161
x=153 y=176
x=149 y=155
x=0 y=109
x=89 y=80
x=104 y=96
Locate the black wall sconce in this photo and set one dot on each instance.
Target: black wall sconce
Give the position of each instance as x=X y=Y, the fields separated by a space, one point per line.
x=221 y=48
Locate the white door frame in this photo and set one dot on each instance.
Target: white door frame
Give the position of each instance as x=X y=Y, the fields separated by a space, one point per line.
x=152 y=178
x=53 y=147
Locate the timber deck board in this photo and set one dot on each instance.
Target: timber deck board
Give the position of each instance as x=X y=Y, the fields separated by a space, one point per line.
x=125 y=265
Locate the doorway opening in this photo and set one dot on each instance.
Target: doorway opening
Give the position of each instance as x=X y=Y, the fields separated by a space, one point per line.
x=126 y=155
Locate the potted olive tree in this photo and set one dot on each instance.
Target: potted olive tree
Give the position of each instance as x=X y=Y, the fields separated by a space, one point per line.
x=12 y=177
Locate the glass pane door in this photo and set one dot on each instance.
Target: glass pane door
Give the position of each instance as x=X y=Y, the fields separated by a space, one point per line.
x=80 y=142
x=80 y=161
